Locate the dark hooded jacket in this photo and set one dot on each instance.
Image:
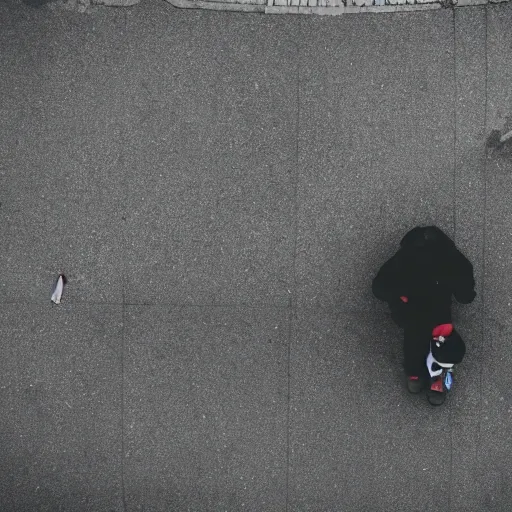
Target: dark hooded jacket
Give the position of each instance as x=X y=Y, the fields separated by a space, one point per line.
x=428 y=270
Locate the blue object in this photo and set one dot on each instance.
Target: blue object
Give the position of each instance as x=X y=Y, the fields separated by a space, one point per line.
x=448 y=380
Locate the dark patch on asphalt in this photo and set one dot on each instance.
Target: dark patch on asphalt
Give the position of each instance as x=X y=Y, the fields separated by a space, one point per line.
x=37 y=3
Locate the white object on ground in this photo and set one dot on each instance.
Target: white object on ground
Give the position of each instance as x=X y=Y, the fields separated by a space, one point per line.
x=59 y=288
x=505 y=137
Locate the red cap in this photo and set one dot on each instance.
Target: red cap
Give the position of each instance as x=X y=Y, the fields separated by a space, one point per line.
x=442 y=330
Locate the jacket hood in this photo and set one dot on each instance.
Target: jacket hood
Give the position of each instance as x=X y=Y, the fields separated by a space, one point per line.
x=430 y=237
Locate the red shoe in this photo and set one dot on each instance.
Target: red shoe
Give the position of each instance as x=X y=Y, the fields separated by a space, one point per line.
x=414 y=384
x=437 y=393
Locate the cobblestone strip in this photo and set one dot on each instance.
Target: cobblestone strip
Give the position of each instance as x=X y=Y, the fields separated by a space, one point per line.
x=325 y=7
x=218 y=6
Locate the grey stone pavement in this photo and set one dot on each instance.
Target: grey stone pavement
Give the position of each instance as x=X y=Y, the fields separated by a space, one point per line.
x=220 y=189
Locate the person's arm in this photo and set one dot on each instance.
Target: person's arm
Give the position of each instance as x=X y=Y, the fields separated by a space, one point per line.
x=386 y=285
x=464 y=281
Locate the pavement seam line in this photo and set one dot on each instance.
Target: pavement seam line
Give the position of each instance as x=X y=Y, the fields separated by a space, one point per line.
x=484 y=244
x=124 y=264
x=454 y=192
x=293 y=299
x=455 y=96
x=123 y=486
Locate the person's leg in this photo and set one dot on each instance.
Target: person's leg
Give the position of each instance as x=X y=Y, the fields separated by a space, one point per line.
x=416 y=349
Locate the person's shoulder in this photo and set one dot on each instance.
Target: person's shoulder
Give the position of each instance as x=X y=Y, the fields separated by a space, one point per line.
x=459 y=259
x=398 y=261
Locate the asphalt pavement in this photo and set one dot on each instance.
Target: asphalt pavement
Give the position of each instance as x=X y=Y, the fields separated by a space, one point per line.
x=220 y=189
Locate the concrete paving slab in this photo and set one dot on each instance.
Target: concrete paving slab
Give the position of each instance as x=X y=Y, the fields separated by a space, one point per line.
x=213 y=240
x=470 y=153
x=496 y=409
x=206 y=408
x=60 y=183
x=61 y=407
x=358 y=441
x=498 y=297
x=496 y=406
x=470 y=93
x=376 y=149
x=211 y=177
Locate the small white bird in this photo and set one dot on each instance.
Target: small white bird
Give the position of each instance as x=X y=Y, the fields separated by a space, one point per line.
x=59 y=288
